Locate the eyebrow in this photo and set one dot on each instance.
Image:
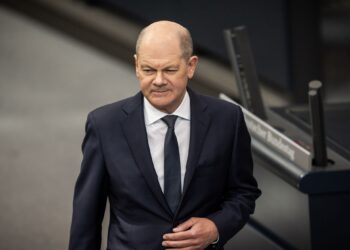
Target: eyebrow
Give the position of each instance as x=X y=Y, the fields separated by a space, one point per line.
x=165 y=67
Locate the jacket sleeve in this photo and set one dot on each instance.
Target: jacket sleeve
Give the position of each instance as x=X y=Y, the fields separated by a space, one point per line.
x=242 y=191
x=90 y=193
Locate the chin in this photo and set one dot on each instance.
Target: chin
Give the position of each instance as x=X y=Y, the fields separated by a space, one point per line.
x=162 y=105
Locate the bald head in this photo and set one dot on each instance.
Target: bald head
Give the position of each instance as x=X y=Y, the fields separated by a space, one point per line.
x=164 y=32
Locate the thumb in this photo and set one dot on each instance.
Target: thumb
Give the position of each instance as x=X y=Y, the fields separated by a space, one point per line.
x=185 y=225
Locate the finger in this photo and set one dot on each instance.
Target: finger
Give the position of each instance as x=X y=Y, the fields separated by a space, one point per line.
x=185 y=248
x=178 y=236
x=179 y=244
x=185 y=225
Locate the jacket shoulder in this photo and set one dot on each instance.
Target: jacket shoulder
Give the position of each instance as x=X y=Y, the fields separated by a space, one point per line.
x=216 y=105
x=115 y=110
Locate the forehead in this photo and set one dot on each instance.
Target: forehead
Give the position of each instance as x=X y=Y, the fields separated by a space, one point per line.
x=159 y=53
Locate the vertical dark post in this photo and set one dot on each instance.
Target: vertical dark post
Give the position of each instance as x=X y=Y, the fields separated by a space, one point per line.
x=305 y=45
x=243 y=66
x=317 y=124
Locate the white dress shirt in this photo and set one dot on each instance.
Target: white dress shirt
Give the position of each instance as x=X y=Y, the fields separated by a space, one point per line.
x=156 y=130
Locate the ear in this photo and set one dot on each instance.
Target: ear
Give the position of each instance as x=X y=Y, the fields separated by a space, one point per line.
x=192 y=65
x=136 y=68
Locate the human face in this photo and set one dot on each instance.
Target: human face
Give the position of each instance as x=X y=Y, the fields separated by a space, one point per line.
x=163 y=75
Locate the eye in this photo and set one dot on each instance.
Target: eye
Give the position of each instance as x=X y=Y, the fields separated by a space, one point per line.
x=147 y=71
x=171 y=71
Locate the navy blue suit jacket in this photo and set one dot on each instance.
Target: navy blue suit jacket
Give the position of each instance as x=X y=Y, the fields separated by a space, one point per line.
x=117 y=165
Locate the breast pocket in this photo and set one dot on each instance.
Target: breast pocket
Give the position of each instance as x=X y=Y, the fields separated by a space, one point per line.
x=211 y=164
x=207 y=169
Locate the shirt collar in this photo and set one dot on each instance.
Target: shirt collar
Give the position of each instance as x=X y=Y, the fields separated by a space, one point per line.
x=152 y=114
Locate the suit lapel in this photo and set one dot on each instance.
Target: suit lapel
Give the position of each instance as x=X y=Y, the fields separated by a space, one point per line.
x=200 y=121
x=136 y=135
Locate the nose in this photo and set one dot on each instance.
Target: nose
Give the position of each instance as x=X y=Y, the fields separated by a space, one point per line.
x=159 y=79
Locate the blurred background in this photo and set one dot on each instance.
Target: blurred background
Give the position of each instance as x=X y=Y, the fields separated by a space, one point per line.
x=61 y=59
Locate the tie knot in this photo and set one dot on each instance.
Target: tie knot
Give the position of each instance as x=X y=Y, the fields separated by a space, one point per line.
x=170 y=120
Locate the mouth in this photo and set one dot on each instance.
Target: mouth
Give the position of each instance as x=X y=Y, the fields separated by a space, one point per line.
x=160 y=91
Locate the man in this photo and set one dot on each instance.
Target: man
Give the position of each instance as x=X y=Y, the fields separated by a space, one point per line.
x=182 y=181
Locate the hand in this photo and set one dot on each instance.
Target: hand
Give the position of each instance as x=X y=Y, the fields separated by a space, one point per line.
x=195 y=233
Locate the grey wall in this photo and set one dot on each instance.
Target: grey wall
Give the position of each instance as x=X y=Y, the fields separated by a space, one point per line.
x=48 y=83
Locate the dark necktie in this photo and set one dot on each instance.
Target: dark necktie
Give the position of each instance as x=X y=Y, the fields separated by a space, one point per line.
x=172 y=169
